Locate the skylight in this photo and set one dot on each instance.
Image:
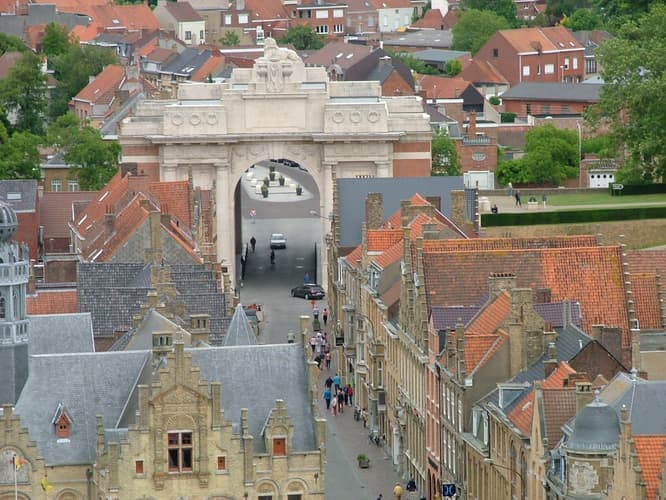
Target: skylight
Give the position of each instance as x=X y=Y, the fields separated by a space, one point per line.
x=339 y=55
x=349 y=56
x=13 y=196
x=104 y=196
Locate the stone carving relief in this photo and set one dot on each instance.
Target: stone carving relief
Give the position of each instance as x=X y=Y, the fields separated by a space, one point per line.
x=253 y=152
x=354 y=117
x=583 y=478
x=276 y=66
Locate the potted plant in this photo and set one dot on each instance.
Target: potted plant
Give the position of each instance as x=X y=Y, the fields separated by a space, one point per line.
x=363 y=461
x=281 y=180
x=266 y=181
x=264 y=191
x=299 y=190
x=272 y=175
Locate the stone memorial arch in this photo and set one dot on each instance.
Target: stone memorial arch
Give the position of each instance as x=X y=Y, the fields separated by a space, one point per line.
x=280 y=108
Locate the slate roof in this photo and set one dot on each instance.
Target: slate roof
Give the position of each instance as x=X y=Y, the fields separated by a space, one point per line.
x=61 y=334
x=141 y=338
x=342 y=54
x=593 y=276
x=270 y=372
x=186 y=63
x=87 y=384
x=442 y=39
x=571 y=92
x=353 y=192
x=650 y=451
x=644 y=399
x=372 y=67
x=21 y=195
x=439 y=55
x=240 y=332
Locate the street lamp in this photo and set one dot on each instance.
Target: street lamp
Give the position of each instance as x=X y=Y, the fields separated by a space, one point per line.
x=580 y=154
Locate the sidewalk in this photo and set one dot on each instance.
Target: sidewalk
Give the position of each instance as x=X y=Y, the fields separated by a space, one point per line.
x=347 y=438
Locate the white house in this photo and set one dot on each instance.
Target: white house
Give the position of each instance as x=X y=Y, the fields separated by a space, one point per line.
x=181 y=19
x=393 y=14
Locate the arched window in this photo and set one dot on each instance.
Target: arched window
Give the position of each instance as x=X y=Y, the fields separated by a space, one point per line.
x=16 y=304
x=2 y=307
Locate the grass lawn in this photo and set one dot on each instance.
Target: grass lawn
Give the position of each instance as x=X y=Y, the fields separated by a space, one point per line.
x=603 y=198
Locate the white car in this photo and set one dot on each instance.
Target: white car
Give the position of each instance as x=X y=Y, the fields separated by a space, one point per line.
x=278 y=240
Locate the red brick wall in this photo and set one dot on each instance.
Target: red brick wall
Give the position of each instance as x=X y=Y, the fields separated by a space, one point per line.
x=411 y=168
x=507 y=60
x=465 y=154
x=411 y=147
x=141 y=149
x=396 y=85
x=542 y=107
x=60 y=271
x=28 y=232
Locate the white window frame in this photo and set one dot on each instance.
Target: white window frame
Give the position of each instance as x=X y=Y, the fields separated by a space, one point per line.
x=322 y=29
x=321 y=14
x=549 y=69
x=243 y=18
x=188 y=36
x=575 y=63
x=227 y=19
x=526 y=70
x=338 y=28
x=72 y=185
x=338 y=13
x=56 y=185
x=566 y=63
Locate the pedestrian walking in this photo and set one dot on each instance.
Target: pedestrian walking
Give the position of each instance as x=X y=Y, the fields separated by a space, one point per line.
x=327 y=348
x=243 y=261
x=350 y=394
x=336 y=382
x=253 y=215
x=313 y=343
x=318 y=360
x=364 y=417
x=518 y=202
x=544 y=199
x=306 y=278
x=380 y=497
x=253 y=243
x=341 y=401
x=397 y=491
x=327 y=398
x=328 y=382
x=315 y=312
x=328 y=360
x=272 y=257
x=334 y=405
x=324 y=316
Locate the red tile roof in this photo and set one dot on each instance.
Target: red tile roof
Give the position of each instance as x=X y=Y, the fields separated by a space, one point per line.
x=182 y=11
x=559 y=406
x=441 y=87
x=391 y=4
x=479 y=72
x=591 y=275
x=647 y=261
x=650 y=451
x=52 y=302
x=480 y=348
x=545 y=39
x=433 y=19
x=103 y=88
x=7 y=61
x=174 y=199
x=56 y=210
x=211 y=67
x=382 y=239
x=353 y=256
x=491 y=317
x=266 y=10
x=646 y=301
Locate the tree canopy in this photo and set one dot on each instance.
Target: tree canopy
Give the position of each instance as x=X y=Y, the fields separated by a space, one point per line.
x=583 y=20
x=11 y=43
x=475 y=28
x=19 y=155
x=56 y=40
x=302 y=38
x=503 y=8
x=632 y=98
x=23 y=92
x=445 y=160
x=551 y=156
x=230 y=39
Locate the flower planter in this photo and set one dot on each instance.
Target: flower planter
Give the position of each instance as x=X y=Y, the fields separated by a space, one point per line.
x=363 y=461
x=299 y=190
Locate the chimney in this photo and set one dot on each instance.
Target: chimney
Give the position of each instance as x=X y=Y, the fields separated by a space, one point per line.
x=110 y=221
x=550 y=364
x=154 y=252
x=584 y=395
x=471 y=129
x=500 y=282
x=374 y=210
x=435 y=201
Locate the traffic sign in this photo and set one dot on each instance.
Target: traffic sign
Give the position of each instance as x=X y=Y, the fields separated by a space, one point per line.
x=448 y=490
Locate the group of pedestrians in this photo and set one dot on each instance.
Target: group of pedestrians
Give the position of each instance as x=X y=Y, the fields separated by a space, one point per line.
x=336 y=395
x=321 y=350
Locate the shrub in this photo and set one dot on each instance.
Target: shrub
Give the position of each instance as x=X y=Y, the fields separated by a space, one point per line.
x=494 y=100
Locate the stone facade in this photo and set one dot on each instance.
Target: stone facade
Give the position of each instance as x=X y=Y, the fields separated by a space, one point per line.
x=216 y=131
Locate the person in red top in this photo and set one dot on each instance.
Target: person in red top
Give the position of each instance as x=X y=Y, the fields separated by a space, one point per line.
x=350 y=394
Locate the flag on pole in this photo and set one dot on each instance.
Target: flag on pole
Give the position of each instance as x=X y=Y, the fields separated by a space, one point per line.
x=18 y=462
x=46 y=486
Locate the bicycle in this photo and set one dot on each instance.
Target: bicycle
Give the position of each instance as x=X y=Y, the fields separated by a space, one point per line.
x=375 y=438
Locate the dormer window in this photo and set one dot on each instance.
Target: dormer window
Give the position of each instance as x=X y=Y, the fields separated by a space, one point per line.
x=62 y=422
x=279 y=447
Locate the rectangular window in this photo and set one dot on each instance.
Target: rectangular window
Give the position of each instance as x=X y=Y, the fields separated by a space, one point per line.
x=538 y=69
x=322 y=30
x=566 y=63
x=338 y=28
x=279 y=447
x=56 y=185
x=385 y=20
x=575 y=63
x=526 y=71
x=221 y=463
x=265 y=497
x=549 y=69
x=188 y=35
x=180 y=451
x=138 y=467
x=495 y=52
x=371 y=22
x=545 y=109
x=227 y=19
x=528 y=109
x=72 y=185
x=565 y=108
x=338 y=13
x=242 y=18
x=321 y=14
x=201 y=35
x=294 y=497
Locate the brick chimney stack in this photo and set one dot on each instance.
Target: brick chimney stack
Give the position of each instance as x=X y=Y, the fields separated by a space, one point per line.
x=374 y=210
x=471 y=129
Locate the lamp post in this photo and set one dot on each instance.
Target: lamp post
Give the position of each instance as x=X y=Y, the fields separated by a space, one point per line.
x=580 y=153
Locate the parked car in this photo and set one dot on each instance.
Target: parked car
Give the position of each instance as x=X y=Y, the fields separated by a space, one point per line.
x=308 y=291
x=278 y=240
x=288 y=163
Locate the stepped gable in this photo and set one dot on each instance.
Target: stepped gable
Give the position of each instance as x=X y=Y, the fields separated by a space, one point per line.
x=61 y=333
x=254 y=377
x=592 y=276
x=52 y=302
x=240 y=332
x=650 y=451
x=87 y=384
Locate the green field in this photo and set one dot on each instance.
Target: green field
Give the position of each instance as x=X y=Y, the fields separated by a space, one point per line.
x=603 y=198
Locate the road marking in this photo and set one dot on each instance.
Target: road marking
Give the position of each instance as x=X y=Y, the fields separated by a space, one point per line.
x=299 y=267
x=300 y=258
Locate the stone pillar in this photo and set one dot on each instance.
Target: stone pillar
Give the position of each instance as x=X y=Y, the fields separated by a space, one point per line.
x=224 y=206
x=384 y=168
x=326 y=208
x=169 y=172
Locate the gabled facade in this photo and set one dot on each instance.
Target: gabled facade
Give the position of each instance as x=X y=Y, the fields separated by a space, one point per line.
x=181 y=19
x=97 y=100
x=326 y=19
x=393 y=14
x=535 y=55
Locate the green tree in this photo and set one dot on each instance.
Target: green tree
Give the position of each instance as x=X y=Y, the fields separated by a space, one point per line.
x=56 y=40
x=445 y=160
x=560 y=8
x=23 y=92
x=73 y=70
x=230 y=38
x=63 y=131
x=551 y=156
x=503 y=8
x=475 y=28
x=302 y=38
x=416 y=65
x=94 y=161
x=11 y=43
x=582 y=20
x=452 y=67
x=19 y=155
x=616 y=12
x=631 y=100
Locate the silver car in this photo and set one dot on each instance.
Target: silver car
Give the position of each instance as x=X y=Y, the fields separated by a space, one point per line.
x=278 y=240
